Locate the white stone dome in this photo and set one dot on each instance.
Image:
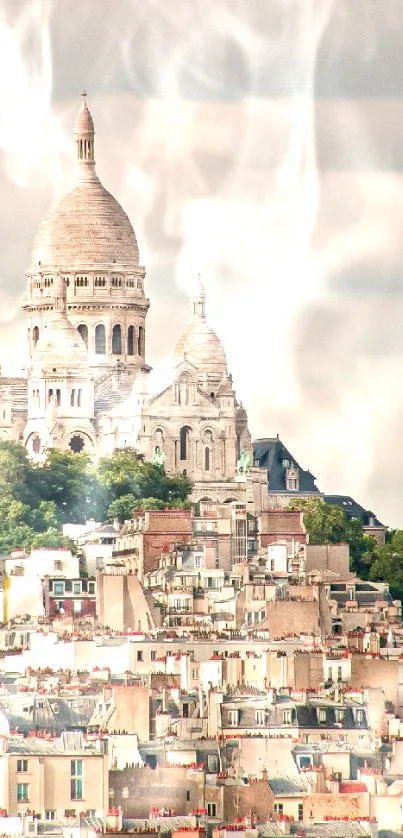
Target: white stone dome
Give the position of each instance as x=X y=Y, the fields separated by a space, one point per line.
x=87 y=226
x=60 y=345
x=201 y=347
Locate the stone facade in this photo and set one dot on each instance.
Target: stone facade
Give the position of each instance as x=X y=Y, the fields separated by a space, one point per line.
x=87 y=239
x=88 y=385
x=195 y=423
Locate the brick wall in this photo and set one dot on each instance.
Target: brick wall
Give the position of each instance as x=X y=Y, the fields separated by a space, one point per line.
x=378 y=672
x=174 y=788
x=334 y=557
x=256 y=799
x=286 y=617
x=308 y=667
x=317 y=806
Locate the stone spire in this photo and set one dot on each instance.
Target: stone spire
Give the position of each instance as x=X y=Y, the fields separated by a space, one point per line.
x=60 y=295
x=199 y=302
x=85 y=133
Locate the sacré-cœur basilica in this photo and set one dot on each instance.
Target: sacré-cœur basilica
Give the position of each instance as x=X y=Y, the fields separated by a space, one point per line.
x=87 y=386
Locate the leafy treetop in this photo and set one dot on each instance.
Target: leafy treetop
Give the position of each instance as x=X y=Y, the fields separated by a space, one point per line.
x=36 y=500
x=327 y=524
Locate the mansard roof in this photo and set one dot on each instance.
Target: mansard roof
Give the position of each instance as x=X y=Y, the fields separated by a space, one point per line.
x=354 y=510
x=271 y=453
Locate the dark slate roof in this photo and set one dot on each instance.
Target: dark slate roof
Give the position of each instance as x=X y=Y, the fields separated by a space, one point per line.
x=302 y=715
x=270 y=453
x=353 y=509
x=365 y=594
x=47 y=712
x=287 y=786
x=308 y=716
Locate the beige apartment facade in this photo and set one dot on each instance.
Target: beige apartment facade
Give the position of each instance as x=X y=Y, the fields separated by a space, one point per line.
x=35 y=777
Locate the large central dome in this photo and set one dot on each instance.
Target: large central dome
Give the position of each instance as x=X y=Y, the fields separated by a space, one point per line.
x=86 y=226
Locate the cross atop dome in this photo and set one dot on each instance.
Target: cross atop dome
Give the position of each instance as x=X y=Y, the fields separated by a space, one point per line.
x=199 y=301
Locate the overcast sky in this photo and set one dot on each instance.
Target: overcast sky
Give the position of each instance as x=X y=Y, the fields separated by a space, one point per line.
x=261 y=143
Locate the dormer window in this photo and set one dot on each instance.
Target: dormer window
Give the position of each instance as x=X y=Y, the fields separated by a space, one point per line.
x=285 y=462
x=292 y=478
x=360 y=719
x=232 y=718
x=322 y=716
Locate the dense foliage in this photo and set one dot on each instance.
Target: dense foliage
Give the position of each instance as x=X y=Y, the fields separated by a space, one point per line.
x=388 y=564
x=36 y=500
x=328 y=524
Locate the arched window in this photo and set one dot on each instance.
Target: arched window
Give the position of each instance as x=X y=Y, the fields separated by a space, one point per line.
x=130 y=340
x=100 y=341
x=73 y=398
x=116 y=340
x=207 y=459
x=50 y=396
x=58 y=397
x=35 y=335
x=78 y=398
x=140 y=341
x=184 y=443
x=83 y=330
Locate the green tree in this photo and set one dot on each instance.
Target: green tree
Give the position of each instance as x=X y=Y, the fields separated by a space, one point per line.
x=36 y=500
x=52 y=537
x=388 y=564
x=129 y=481
x=122 y=508
x=327 y=524
x=69 y=481
x=14 y=463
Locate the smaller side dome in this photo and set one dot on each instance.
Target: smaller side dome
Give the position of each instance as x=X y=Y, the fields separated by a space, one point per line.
x=60 y=345
x=199 y=344
x=201 y=347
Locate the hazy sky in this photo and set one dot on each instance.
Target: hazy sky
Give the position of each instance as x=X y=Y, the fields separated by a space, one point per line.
x=261 y=143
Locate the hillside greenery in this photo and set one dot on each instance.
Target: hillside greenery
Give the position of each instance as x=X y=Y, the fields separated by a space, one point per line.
x=36 y=500
x=328 y=524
